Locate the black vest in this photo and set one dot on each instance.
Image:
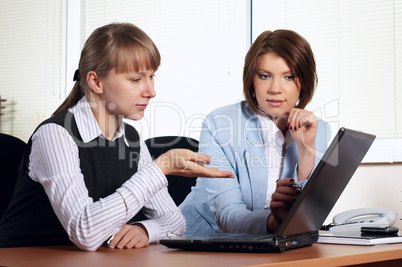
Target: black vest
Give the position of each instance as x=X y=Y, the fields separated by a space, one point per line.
x=106 y=165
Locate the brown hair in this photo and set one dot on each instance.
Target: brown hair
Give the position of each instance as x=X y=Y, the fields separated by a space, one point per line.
x=123 y=46
x=297 y=53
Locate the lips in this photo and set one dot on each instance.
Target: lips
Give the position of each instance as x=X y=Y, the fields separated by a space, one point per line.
x=275 y=102
x=142 y=106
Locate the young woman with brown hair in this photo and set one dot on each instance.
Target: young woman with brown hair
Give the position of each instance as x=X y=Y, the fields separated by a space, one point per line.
x=269 y=142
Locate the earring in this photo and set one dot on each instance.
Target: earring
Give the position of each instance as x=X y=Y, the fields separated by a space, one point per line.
x=252 y=91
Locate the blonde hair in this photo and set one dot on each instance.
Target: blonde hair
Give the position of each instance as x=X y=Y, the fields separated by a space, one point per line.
x=123 y=46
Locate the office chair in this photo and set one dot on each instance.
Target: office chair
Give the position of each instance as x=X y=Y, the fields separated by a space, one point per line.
x=179 y=187
x=12 y=150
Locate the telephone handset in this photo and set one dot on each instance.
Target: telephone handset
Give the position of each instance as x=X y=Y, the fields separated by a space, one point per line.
x=354 y=220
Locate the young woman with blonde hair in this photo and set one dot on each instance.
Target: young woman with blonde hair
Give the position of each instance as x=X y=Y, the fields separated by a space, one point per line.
x=86 y=173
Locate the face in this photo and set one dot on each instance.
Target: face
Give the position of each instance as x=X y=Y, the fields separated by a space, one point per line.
x=128 y=94
x=276 y=87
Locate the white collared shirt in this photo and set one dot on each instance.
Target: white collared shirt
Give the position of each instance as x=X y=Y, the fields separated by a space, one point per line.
x=87 y=125
x=54 y=162
x=274 y=146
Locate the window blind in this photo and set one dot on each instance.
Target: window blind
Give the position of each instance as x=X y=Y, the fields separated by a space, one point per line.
x=358 y=49
x=32 y=56
x=202 y=44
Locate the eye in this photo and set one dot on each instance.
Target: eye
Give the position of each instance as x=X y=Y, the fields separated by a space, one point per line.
x=263 y=76
x=135 y=79
x=290 y=77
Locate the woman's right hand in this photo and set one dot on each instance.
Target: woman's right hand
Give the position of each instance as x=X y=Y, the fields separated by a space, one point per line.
x=281 y=202
x=184 y=162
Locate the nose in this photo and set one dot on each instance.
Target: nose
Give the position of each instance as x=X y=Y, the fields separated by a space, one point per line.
x=149 y=90
x=275 y=87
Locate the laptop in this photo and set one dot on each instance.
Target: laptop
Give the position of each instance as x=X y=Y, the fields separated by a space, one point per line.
x=308 y=212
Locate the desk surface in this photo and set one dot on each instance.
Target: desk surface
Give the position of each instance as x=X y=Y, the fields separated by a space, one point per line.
x=158 y=255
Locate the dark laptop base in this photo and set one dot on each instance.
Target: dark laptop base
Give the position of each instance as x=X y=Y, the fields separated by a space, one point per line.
x=257 y=243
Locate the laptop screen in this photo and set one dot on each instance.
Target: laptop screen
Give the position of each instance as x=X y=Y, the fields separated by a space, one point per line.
x=319 y=196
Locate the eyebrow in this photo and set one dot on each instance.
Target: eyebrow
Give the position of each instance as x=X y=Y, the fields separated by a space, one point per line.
x=142 y=72
x=286 y=72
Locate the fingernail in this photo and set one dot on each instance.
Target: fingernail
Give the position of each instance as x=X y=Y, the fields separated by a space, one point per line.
x=288 y=124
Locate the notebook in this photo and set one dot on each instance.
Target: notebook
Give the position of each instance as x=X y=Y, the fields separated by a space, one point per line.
x=308 y=212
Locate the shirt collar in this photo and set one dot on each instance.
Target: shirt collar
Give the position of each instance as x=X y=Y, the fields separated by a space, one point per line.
x=270 y=132
x=87 y=125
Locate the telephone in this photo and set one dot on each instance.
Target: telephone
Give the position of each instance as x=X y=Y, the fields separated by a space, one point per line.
x=354 y=220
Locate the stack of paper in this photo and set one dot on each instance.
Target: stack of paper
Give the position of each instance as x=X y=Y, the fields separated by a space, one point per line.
x=358 y=238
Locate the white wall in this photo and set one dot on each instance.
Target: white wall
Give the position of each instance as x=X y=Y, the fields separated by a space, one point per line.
x=373 y=186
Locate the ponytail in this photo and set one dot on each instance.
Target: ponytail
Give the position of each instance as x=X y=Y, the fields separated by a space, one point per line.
x=75 y=95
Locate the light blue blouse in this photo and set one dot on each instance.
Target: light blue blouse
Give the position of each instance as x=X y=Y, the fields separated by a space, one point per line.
x=231 y=136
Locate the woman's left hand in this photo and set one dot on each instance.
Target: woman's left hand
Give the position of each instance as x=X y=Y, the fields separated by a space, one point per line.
x=130 y=236
x=184 y=162
x=303 y=126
